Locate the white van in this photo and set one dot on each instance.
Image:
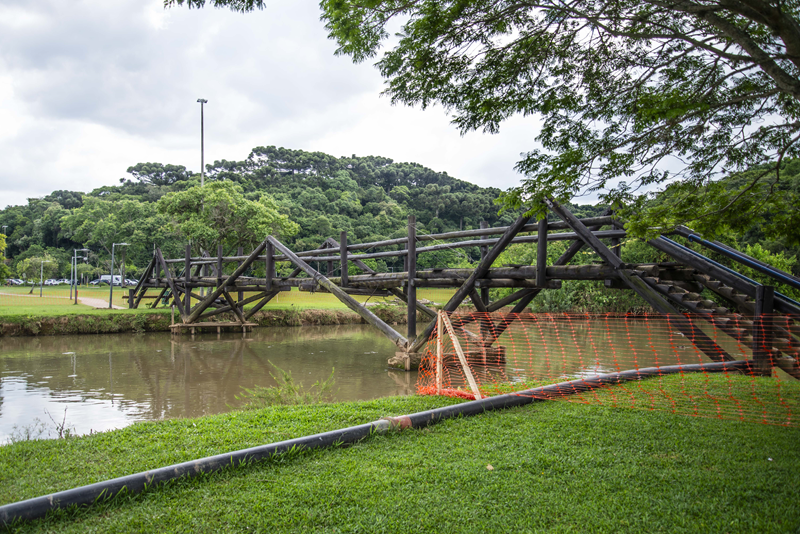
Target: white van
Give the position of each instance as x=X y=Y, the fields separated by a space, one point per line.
x=106 y=278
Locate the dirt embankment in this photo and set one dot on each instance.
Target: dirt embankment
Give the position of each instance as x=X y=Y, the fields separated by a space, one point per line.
x=159 y=322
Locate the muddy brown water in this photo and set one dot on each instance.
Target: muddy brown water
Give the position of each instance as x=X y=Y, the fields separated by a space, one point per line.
x=111 y=381
x=101 y=382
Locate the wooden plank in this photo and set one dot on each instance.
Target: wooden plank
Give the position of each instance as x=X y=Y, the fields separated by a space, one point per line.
x=484 y=252
x=411 y=289
x=479 y=272
x=252 y=311
x=269 y=271
x=187 y=279
x=175 y=297
x=343 y=257
x=567 y=236
x=762 y=330
x=232 y=278
x=349 y=301
x=461 y=358
x=541 y=253
x=439 y=352
x=584 y=233
x=233 y=305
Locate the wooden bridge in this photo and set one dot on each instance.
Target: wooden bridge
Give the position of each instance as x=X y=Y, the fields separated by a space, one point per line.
x=670 y=288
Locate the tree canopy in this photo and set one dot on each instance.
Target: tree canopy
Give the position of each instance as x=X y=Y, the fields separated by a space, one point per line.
x=633 y=95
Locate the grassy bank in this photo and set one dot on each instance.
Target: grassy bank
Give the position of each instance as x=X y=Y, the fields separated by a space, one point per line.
x=548 y=467
x=143 y=320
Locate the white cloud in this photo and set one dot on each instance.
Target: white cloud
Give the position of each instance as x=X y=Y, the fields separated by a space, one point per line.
x=89 y=88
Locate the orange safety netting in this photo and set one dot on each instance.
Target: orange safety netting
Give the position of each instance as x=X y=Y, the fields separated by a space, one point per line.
x=671 y=359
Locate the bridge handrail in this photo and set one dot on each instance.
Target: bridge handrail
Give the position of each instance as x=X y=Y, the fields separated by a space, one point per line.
x=740 y=257
x=779 y=295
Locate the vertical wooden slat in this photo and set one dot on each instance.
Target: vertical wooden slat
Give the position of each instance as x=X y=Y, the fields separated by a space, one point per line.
x=461 y=357
x=187 y=279
x=270 y=265
x=239 y=252
x=343 y=256
x=541 y=254
x=439 y=352
x=411 y=290
x=484 y=252
x=762 y=329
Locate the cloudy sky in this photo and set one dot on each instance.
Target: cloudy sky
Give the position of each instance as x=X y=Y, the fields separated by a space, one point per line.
x=91 y=87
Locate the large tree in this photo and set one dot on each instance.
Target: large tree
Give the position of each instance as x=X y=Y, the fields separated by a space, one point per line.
x=632 y=94
x=219 y=214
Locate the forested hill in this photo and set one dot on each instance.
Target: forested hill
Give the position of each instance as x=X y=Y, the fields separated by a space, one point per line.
x=369 y=197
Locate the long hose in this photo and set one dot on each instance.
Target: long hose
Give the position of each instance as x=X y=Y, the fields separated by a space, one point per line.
x=87 y=495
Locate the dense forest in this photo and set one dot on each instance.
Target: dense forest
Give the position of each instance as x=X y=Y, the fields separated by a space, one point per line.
x=308 y=196
x=304 y=197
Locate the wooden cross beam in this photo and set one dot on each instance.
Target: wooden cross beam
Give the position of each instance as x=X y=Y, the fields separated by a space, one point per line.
x=349 y=301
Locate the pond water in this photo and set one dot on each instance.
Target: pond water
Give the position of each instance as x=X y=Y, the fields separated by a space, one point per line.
x=110 y=381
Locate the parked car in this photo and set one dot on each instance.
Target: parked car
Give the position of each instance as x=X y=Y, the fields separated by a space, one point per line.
x=131 y=281
x=98 y=282
x=51 y=282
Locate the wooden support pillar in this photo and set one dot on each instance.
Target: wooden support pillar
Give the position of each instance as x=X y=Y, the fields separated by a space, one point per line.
x=187 y=279
x=412 y=273
x=269 y=270
x=762 y=330
x=616 y=246
x=239 y=252
x=541 y=254
x=131 y=300
x=343 y=256
x=219 y=265
x=484 y=252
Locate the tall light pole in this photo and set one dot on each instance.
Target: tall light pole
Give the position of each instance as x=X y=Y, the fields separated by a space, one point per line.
x=202 y=143
x=74 y=269
x=41 y=276
x=111 y=282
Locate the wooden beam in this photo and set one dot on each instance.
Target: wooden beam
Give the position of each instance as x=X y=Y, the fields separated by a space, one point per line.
x=233 y=305
x=411 y=289
x=218 y=291
x=479 y=272
x=584 y=233
x=176 y=298
x=541 y=253
x=147 y=273
x=349 y=301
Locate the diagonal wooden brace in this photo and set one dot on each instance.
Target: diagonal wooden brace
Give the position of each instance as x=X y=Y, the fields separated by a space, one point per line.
x=349 y=301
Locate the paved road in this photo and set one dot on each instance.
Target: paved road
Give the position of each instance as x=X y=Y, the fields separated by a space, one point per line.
x=98 y=303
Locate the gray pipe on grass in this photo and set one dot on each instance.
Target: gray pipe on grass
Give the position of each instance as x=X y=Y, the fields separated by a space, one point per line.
x=87 y=495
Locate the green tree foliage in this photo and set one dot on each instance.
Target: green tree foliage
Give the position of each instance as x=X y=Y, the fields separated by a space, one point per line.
x=158 y=174
x=37 y=267
x=625 y=90
x=219 y=214
x=5 y=272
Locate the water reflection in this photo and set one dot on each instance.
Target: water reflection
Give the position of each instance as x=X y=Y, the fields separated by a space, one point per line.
x=109 y=381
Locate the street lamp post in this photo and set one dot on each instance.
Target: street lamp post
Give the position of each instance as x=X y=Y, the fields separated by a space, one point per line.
x=41 y=276
x=111 y=282
x=74 y=269
x=202 y=142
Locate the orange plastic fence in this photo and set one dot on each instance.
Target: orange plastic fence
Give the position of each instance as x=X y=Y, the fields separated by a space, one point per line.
x=514 y=353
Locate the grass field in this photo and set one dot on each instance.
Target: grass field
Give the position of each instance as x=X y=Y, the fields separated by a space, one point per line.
x=55 y=300
x=548 y=467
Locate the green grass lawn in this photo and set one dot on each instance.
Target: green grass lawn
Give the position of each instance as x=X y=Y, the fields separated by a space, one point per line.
x=555 y=467
x=55 y=300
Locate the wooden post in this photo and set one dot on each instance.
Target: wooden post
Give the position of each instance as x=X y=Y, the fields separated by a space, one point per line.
x=187 y=279
x=461 y=357
x=270 y=265
x=239 y=252
x=541 y=254
x=439 y=352
x=762 y=330
x=411 y=289
x=219 y=265
x=616 y=246
x=131 y=300
x=484 y=252
x=343 y=256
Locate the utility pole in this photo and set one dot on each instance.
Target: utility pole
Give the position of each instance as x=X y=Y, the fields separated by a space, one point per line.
x=202 y=142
